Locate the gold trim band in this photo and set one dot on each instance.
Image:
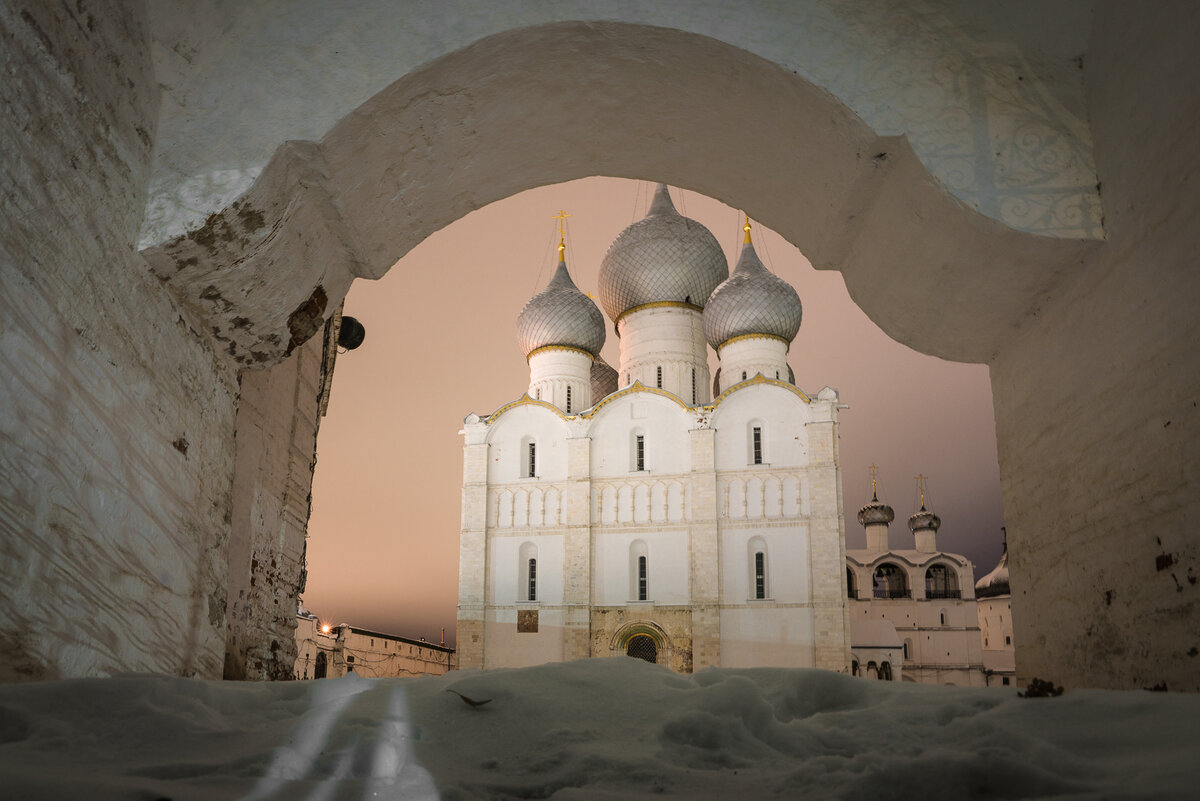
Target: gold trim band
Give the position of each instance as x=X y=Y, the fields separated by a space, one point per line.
x=742 y=337
x=570 y=348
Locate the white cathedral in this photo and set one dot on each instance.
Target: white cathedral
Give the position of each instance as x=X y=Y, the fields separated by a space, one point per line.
x=630 y=511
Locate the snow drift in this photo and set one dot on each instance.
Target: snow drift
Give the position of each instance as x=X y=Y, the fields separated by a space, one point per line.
x=593 y=729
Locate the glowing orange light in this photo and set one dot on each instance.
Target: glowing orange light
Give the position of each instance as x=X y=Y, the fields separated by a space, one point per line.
x=326 y=628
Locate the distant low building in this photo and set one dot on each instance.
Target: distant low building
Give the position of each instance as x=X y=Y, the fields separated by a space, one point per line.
x=330 y=651
x=995 y=625
x=914 y=604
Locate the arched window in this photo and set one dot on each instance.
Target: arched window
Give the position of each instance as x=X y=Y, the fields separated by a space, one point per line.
x=941 y=581
x=908 y=649
x=851 y=584
x=756 y=445
x=639 y=452
x=568 y=400
x=527 y=567
x=890 y=582
x=322 y=666
x=854 y=668
x=942 y=617
x=759 y=583
x=639 y=571
x=885 y=671
x=532 y=460
x=658 y=377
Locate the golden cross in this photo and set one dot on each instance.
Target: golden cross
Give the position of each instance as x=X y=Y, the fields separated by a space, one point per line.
x=874 y=484
x=562 y=234
x=921 y=485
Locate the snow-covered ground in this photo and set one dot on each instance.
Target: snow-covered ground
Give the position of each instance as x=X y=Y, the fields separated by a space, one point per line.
x=601 y=728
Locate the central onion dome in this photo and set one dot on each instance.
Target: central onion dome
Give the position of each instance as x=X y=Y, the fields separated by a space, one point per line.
x=662 y=257
x=560 y=315
x=752 y=301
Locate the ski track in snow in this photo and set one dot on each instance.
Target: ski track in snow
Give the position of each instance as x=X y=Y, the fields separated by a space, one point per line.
x=594 y=729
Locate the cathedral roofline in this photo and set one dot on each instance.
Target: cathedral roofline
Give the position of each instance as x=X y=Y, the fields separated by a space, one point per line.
x=759 y=378
x=525 y=400
x=636 y=386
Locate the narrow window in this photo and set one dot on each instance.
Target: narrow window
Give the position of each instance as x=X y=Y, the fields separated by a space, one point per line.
x=532 y=459
x=693 y=386
x=943 y=617
x=539 y=393
x=776 y=375
x=743 y=375
x=532 y=580
x=641 y=452
x=757 y=445
x=642 y=578
x=760 y=575
x=1007 y=640
x=568 y=400
x=659 y=377
x=906 y=656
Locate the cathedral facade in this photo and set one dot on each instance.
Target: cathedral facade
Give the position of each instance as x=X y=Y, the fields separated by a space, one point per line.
x=634 y=511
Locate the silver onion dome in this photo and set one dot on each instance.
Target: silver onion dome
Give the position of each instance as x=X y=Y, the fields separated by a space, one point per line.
x=662 y=257
x=875 y=512
x=996 y=582
x=752 y=301
x=924 y=519
x=604 y=380
x=560 y=315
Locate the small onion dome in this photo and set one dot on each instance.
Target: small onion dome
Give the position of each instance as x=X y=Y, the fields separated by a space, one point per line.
x=560 y=315
x=752 y=301
x=996 y=582
x=662 y=257
x=924 y=520
x=604 y=380
x=875 y=512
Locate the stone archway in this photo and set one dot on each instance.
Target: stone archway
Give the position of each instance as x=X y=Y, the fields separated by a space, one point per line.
x=1084 y=458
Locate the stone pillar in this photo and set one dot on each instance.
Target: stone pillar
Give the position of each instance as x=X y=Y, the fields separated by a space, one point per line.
x=705 y=552
x=577 y=550
x=827 y=540
x=472 y=562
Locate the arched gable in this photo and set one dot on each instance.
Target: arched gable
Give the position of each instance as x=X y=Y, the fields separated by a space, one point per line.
x=777 y=409
x=511 y=431
x=658 y=417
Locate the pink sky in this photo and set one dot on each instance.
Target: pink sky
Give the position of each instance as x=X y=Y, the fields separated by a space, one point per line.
x=441 y=343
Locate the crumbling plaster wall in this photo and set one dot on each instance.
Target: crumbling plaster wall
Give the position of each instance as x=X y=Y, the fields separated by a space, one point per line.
x=1096 y=399
x=116 y=417
x=278 y=413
